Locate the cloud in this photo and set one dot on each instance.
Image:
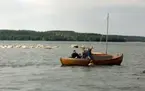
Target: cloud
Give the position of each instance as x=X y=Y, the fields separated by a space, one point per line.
x=126 y=16
x=82 y=3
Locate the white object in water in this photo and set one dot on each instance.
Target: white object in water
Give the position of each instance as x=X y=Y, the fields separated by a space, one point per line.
x=39 y=46
x=74 y=46
x=24 y=46
x=9 y=46
x=48 y=47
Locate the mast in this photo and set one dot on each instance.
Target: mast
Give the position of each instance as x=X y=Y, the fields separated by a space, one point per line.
x=107 y=32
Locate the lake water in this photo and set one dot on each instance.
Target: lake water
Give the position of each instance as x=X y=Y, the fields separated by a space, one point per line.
x=40 y=69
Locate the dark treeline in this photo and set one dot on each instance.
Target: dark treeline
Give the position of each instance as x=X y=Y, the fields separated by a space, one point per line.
x=63 y=36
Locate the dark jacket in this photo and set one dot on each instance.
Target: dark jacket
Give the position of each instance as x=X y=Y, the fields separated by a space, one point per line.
x=74 y=55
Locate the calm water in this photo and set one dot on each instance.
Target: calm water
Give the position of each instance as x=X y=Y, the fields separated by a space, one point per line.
x=40 y=69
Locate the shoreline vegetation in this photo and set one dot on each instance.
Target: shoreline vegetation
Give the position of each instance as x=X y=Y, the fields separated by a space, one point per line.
x=58 y=35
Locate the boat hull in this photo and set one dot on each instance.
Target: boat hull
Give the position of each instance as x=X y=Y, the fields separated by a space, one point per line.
x=74 y=62
x=115 y=60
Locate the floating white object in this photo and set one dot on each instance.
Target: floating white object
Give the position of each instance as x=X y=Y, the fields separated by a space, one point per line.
x=9 y=46
x=48 y=47
x=29 y=46
x=74 y=46
x=24 y=46
x=17 y=46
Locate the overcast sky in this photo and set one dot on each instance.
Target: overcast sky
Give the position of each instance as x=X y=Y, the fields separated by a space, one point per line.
x=127 y=17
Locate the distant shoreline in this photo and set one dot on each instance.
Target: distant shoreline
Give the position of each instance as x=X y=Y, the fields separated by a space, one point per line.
x=28 y=35
x=64 y=41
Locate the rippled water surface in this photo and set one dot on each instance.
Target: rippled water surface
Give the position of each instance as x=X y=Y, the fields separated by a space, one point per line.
x=40 y=69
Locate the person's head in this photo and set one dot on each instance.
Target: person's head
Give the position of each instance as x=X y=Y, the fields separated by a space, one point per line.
x=74 y=51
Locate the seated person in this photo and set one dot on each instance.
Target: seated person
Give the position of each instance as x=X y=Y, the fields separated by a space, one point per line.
x=75 y=54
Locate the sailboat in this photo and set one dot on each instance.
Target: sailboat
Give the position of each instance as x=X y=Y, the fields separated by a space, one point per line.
x=98 y=58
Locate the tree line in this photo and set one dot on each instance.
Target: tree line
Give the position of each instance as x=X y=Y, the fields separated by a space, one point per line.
x=63 y=36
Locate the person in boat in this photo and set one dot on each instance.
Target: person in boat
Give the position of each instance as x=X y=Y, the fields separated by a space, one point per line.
x=89 y=53
x=84 y=53
x=80 y=55
x=75 y=54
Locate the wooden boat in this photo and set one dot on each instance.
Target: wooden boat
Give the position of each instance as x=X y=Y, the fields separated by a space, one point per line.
x=99 y=59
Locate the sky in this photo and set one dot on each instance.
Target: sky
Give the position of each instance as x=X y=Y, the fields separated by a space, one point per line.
x=127 y=17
